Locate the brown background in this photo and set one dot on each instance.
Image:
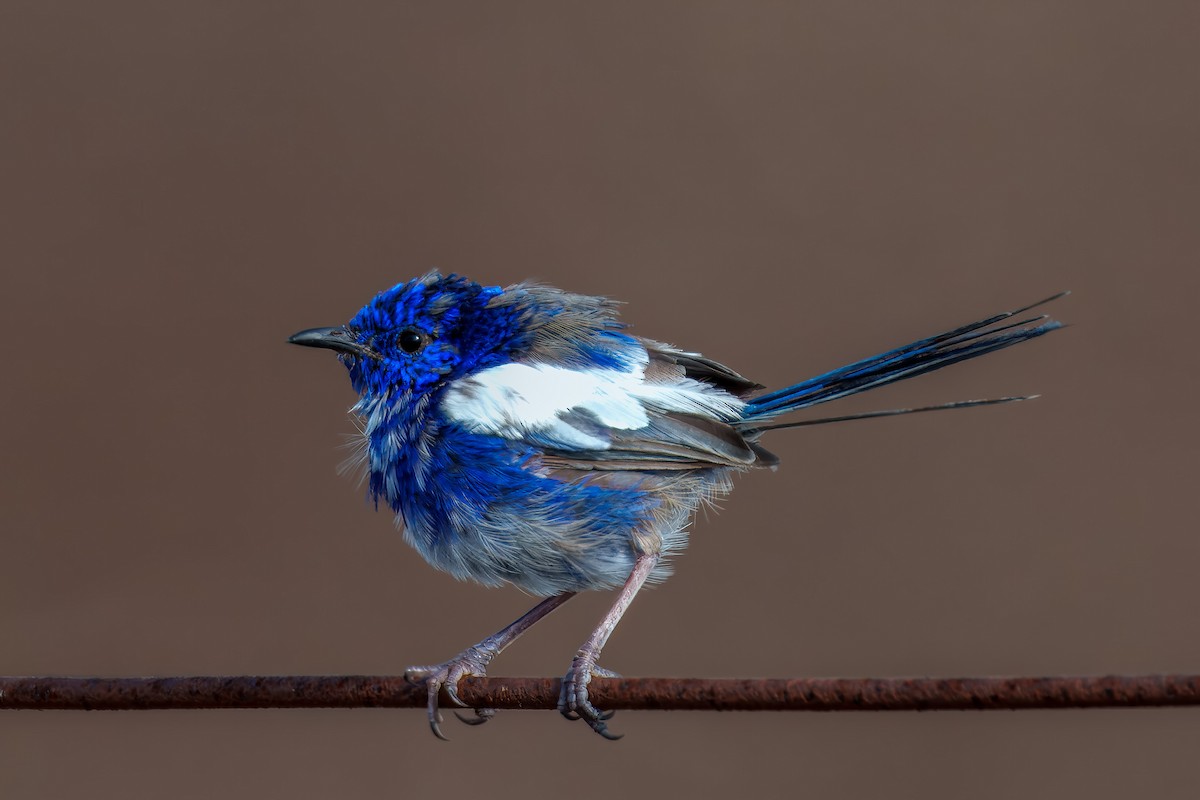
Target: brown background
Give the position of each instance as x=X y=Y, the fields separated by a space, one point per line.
x=784 y=186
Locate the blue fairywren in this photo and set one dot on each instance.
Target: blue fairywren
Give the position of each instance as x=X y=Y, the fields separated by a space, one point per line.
x=522 y=436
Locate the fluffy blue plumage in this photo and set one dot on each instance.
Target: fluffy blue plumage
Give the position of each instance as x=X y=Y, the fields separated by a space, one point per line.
x=522 y=436
x=501 y=508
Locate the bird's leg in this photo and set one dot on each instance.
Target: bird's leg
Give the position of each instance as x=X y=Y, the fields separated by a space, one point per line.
x=573 y=702
x=474 y=661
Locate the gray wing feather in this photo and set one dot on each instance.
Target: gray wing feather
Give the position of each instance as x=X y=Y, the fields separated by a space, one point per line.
x=667 y=361
x=672 y=441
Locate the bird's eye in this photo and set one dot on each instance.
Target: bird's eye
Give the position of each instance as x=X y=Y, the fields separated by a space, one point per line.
x=411 y=340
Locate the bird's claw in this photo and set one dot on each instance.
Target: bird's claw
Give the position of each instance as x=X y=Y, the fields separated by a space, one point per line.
x=482 y=715
x=472 y=661
x=573 y=702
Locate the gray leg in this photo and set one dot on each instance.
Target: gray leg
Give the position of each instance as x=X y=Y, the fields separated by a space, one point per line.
x=474 y=661
x=573 y=702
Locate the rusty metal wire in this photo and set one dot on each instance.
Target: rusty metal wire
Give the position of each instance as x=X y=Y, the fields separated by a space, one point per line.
x=762 y=694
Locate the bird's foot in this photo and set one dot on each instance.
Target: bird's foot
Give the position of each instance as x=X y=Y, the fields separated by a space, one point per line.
x=472 y=661
x=482 y=715
x=573 y=702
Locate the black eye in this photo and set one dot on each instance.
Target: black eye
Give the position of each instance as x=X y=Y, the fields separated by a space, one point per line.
x=411 y=340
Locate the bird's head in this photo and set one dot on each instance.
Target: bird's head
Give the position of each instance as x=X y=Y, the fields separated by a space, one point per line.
x=422 y=334
x=418 y=335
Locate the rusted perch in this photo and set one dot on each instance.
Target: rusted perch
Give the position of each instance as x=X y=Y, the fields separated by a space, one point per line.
x=726 y=694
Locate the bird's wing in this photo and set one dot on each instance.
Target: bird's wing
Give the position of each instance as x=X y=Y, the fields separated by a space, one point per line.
x=671 y=362
x=603 y=419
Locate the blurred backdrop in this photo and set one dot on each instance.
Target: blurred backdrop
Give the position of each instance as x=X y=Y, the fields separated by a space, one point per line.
x=783 y=186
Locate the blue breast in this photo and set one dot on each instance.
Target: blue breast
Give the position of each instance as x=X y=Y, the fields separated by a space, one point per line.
x=476 y=506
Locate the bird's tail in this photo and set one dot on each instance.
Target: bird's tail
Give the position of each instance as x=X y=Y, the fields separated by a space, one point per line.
x=925 y=355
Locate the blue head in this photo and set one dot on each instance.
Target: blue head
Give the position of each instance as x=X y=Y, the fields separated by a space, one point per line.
x=420 y=335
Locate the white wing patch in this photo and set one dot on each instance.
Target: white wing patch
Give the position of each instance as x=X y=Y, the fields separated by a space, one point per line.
x=515 y=400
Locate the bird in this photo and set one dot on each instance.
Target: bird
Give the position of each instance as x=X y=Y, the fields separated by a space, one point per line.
x=523 y=436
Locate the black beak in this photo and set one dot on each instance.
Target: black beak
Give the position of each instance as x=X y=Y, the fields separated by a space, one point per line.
x=338 y=339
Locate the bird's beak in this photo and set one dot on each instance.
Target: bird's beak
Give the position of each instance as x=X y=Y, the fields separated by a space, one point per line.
x=338 y=339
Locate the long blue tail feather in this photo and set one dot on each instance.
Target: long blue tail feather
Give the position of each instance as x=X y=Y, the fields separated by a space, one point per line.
x=919 y=357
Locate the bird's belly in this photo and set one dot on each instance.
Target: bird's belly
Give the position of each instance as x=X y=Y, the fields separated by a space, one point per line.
x=547 y=536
